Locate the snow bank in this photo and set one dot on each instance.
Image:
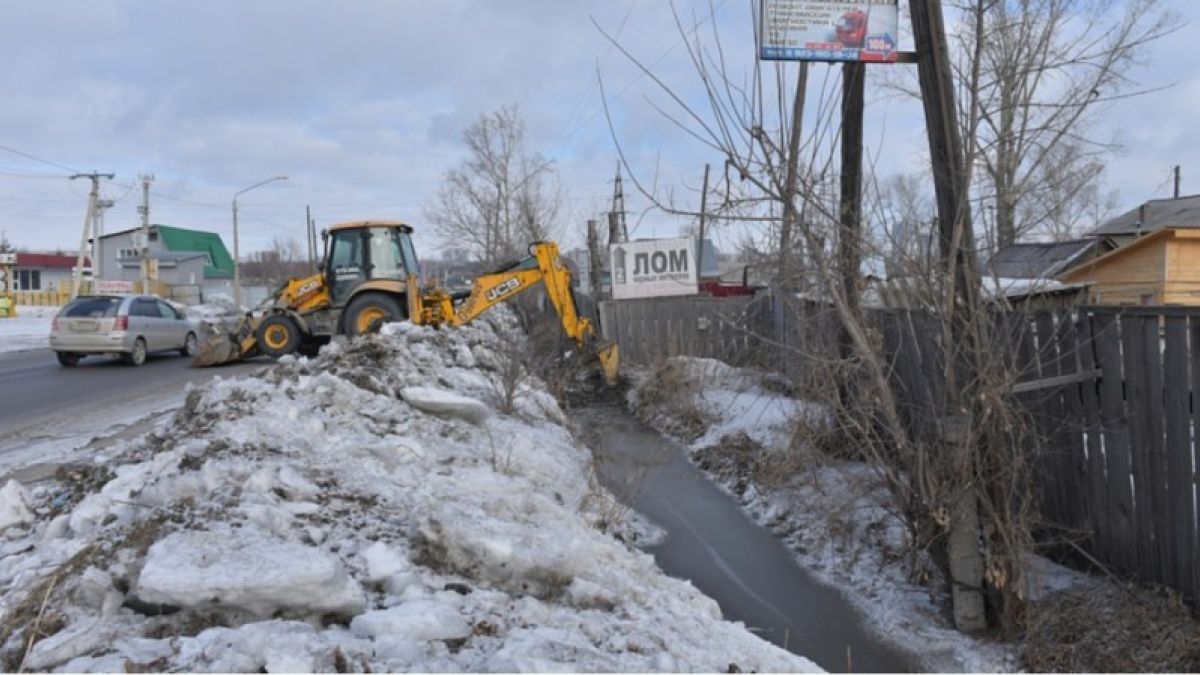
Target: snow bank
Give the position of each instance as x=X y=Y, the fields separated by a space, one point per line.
x=29 y=329
x=317 y=517
x=838 y=517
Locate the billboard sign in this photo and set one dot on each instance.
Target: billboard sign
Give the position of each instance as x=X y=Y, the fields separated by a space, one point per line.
x=113 y=286
x=828 y=30
x=653 y=268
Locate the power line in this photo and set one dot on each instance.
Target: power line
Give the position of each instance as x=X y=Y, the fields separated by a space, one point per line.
x=39 y=159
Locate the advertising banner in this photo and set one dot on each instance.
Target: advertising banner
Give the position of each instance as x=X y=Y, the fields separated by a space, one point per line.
x=828 y=30
x=653 y=268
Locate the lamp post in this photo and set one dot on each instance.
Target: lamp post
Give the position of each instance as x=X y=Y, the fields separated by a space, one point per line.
x=237 y=276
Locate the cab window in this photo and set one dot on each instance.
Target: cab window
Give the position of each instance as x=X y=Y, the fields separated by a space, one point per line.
x=386 y=261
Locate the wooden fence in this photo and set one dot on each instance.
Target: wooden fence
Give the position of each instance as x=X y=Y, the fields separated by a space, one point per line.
x=1113 y=394
x=652 y=329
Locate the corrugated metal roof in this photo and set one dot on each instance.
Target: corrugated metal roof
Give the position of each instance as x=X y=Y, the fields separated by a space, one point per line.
x=1154 y=215
x=1039 y=260
x=178 y=239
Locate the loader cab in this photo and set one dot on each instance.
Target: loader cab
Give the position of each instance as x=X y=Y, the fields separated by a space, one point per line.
x=368 y=251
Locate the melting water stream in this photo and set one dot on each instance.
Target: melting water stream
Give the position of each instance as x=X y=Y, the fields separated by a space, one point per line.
x=714 y=544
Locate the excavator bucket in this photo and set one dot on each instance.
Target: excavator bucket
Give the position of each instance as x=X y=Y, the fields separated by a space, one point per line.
x=216 y=349
x=610 y=358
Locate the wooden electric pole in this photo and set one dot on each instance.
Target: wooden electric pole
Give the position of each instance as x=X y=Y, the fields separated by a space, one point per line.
x=956 y=243
x=854 y=75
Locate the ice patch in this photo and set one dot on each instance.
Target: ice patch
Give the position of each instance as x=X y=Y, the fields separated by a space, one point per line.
x=444 y=403
x=14 y=505
x=247 y=570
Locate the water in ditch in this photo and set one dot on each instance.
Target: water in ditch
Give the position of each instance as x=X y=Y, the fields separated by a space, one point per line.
x=714 y=544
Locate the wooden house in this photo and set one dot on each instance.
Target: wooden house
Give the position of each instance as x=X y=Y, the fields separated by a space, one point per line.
x=1160 y=268
x=1155 y=256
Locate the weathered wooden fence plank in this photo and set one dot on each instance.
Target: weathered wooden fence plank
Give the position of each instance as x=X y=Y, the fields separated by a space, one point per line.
x=1115 y=436
x=1136 y=343
x=1097 y=487
x=1177 y=518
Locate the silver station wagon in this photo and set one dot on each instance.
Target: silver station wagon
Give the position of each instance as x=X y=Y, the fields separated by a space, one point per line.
x=128 y=326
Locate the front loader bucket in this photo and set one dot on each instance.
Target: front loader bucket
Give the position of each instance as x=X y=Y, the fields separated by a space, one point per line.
x=216 y=349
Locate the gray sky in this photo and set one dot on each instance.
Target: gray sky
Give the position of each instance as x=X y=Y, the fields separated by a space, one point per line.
x=363 y=104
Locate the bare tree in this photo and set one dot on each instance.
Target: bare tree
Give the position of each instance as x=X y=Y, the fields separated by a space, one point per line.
x=283 y=259
x=1039 y=71
x=502 y=197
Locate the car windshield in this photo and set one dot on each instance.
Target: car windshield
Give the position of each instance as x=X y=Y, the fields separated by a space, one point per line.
x=92 y=307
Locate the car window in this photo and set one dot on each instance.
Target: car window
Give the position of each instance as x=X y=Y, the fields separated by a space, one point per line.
x=145 y=308
x=92 y=307
x=167 y=311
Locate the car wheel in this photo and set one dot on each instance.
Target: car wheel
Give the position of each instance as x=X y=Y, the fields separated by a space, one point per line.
x=189 y=345
x=136 y=356
x=67 y=359
x=367 y=312
x=278 y=335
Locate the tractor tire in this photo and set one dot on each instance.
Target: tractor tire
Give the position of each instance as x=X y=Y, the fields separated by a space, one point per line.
x=278 y=335
x=367 y=312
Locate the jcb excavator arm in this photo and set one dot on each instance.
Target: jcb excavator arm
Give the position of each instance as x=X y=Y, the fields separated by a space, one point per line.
x=543 y=265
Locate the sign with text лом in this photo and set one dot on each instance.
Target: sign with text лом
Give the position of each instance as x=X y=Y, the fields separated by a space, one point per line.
x=829 y=30
x=653 y=268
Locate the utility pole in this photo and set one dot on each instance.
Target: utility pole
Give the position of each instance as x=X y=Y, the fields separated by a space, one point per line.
x=308 y=238
x=786 y=273
x=144 y=253
x=703 y=213
x=88 y=223
x=594 y=264
x=854 y=75
x=1177 y=180
x=957 y=244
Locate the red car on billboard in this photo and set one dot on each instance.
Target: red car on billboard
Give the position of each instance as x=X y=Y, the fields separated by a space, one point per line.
x=851 y=29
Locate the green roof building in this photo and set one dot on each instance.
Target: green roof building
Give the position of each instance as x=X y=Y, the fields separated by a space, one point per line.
x=180 y=240
x=184 y=256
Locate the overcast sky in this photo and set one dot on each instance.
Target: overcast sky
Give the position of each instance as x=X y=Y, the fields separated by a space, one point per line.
x=363 y=105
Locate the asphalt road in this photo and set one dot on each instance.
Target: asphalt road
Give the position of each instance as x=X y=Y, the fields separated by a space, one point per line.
x=35 y=390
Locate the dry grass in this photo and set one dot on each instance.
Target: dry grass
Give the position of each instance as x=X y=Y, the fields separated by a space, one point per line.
x=1112 y=629
x=667 y=400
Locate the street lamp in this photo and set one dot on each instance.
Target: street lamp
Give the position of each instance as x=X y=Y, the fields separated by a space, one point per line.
x=237 y=276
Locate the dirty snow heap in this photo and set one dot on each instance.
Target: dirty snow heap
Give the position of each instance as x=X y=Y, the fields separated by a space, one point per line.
x=369 y=509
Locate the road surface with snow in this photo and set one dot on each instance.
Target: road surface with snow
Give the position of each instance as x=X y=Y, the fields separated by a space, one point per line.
x=47 y=410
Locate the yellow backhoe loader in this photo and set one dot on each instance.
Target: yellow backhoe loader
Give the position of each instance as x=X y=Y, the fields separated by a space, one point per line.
x=369 y=277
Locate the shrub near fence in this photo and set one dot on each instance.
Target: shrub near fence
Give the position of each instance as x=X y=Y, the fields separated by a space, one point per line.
x=1113 y=395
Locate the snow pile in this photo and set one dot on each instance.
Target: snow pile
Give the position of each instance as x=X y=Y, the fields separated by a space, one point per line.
x=838 y=517
x=319 y=517
x=29 y=329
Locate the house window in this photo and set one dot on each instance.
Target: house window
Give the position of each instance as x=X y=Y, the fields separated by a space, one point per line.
x=29 y=280
x=128 y=254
